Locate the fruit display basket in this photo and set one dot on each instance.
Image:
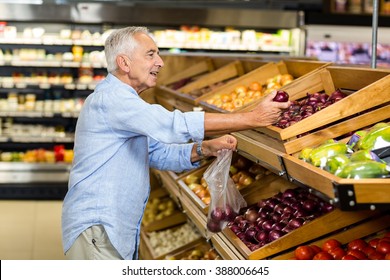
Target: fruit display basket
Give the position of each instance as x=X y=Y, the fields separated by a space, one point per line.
x=192 y=90
x=366 y=230
x=273 y=75
x=192 y=72
x=161 y=212
x=366 y=103
x=327 y=223
x=158 y=244
x=244 y=173
x=347 y=193
x=260 y=153
x=199 y=251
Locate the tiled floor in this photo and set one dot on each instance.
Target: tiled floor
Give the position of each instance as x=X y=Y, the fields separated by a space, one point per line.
x=30 y=230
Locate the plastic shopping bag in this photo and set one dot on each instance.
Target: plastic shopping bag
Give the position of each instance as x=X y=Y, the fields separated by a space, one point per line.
x=226 y=200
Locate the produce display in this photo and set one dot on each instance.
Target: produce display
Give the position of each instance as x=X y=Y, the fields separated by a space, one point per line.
x=305 y=107
x=196 y=253
x=245 y=94
x=243 y=172
x=41 y=155
x=377 y=248
x=271 y=218
x=199 y=92
x=157 y=209
x=165 y=241
x=355 y=159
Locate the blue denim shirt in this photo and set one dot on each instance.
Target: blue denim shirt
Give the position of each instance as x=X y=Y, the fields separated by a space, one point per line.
x=118 y=138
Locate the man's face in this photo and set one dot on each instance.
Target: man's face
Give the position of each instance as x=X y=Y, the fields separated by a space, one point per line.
x=145 y=63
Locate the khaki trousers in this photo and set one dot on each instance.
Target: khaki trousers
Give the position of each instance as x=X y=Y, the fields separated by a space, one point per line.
x=93 y=244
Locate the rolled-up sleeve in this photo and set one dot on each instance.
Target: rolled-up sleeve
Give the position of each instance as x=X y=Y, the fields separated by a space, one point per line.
x=174 y=157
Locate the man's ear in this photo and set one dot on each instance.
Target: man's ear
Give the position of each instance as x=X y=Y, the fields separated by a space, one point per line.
x=123 y=63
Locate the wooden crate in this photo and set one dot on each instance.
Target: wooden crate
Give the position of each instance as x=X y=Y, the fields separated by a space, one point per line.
x=321 y=226
x=296 y=68
x=176 y=218
x=364 y=230
x=369 y=89
x=197 y=69
x=258 y=152
x=186 y=191
x=185 y=101
x=195 y=199
x=348 y=194
x=202 y=247
x=148 y=251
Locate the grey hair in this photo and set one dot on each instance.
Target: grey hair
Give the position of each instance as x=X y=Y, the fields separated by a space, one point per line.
x=121 y=41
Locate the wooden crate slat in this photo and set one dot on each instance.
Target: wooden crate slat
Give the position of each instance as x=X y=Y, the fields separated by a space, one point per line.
x=344 y=237
x=318 y=137
x=320 y=226
x=201 y=67
x=231 y=70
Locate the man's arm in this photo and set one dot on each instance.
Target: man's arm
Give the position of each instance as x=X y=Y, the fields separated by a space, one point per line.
x=265 y=113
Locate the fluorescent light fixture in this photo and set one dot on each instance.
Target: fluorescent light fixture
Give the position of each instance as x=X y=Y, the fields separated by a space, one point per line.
x=22 y=1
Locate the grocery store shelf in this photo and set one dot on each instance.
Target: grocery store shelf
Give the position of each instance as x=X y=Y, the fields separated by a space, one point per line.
x=19 y=180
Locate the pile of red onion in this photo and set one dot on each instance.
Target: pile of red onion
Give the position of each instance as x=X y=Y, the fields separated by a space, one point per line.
x=276 y=216
x=312 y=103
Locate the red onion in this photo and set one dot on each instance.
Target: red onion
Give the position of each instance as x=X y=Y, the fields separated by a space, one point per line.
x=289 y=193
x=262 y=236
x=267 y=225
x=217 y=214
x=310 y=205
x=280 y=208
x=281 y=96
x=275 y=234
x=278 y=226
x=250 y=234
x=213 y=226
x=295 y=223
x=235 y=228
x=230 y=214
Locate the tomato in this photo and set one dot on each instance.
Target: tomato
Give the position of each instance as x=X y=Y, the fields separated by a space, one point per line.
x=373 y=242
x=357 y=244
x=323 y=256
x=330 y=244
x=387 y=257
x=304 y=252
x=349 y=257
x=316 y=248
x=357 y=254
x=376 y=256
x=383 y=247
x=337 y=253
x=385 y=239
x=368 y=250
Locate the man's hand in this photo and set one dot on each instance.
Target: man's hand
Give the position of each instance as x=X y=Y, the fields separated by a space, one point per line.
x=267 y=111
x=212 y=146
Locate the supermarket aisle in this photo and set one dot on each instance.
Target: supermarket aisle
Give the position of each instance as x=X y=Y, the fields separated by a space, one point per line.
x=30 y=230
